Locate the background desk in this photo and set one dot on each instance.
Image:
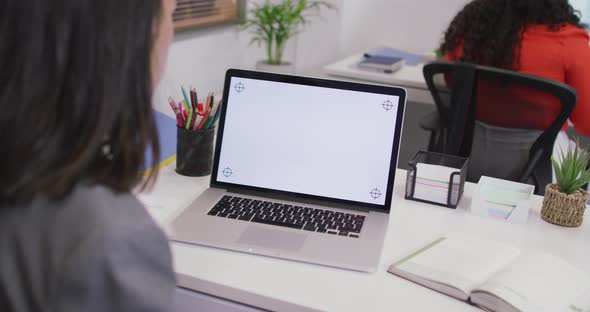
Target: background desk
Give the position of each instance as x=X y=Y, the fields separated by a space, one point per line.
x=409 y=77
x=282 y=285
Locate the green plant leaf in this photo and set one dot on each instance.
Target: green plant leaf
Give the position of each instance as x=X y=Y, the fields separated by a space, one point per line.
x=572 y=173
x=274 y=24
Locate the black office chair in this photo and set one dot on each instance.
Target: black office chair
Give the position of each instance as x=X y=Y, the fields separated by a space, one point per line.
x=451 y=101
x=458 y=90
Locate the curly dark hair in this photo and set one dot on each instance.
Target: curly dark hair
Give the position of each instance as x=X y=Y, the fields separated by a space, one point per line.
x=490 y=30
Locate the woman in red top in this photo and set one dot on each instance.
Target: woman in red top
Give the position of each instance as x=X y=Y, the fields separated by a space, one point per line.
x=537 y=37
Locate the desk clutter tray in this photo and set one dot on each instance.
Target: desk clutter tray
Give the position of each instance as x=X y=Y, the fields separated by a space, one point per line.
x=437 y=179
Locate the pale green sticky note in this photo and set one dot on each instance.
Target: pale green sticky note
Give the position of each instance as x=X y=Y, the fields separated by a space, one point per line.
x=502 y=195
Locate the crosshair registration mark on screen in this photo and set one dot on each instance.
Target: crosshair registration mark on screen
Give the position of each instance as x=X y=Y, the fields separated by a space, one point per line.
x=227 y=172
x=376 y=193
x=388 y=105
x=239 y=87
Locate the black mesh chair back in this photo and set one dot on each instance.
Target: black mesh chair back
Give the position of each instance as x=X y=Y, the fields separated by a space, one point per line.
x=452 y=87
x=468 y=95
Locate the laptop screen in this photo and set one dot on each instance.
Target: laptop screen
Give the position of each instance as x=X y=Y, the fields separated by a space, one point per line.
x=307 y=139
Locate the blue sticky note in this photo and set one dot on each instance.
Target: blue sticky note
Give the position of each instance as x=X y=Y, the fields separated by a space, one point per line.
x=167 y=134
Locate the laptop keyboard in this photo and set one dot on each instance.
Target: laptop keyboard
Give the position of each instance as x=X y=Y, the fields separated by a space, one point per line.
x=291 y=216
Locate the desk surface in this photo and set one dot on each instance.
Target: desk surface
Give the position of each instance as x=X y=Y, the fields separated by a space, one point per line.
x=407 y=75
x=276 y=284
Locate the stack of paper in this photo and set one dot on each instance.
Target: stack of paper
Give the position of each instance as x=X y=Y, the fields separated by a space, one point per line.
x=502 y=199
x=433 y=182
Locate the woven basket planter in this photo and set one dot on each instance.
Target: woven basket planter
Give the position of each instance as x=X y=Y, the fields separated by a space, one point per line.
x=561 y=209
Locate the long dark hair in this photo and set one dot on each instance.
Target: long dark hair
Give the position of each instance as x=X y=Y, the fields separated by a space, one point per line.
x=75 y=95
x=491 y=29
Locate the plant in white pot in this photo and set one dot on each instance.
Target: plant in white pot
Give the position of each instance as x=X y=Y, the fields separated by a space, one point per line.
x=565 y=202
x=273 y=24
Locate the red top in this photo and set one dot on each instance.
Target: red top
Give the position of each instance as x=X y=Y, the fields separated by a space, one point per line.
x=563 y=56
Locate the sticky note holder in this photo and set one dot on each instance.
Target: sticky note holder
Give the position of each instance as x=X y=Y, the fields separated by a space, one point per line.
x=437 y=179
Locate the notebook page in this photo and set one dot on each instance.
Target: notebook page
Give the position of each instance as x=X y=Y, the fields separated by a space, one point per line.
x=540 y=282
x=460 y=262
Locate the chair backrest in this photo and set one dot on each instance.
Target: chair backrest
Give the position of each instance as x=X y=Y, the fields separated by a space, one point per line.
x=466 y=93
x=453 y=95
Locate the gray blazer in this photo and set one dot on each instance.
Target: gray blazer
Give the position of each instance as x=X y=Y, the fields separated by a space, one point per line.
x=92 y=251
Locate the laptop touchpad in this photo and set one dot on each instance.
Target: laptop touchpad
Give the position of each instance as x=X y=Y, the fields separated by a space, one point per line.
x=269 y=238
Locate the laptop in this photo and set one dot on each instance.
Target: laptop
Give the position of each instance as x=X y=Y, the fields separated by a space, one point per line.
x=303 y=169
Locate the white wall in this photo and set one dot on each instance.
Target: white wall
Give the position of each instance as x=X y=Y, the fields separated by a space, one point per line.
x=319 y=44
x=584 y=7
x=200 y=58
x=413 y=25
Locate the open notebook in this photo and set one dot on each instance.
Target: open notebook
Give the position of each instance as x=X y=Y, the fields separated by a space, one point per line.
x=497 y=277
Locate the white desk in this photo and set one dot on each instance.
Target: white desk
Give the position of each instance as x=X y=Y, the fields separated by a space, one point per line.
x=282 y=285
x=409 y=77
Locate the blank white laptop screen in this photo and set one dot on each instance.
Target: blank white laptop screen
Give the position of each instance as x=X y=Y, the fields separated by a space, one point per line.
x=310 y=140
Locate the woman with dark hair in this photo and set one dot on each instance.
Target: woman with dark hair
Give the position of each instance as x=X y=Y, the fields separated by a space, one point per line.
x=76 y=81
x=537 y=37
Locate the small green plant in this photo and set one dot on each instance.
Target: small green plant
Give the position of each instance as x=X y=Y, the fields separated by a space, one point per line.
x=572 y=172
x=274 y=24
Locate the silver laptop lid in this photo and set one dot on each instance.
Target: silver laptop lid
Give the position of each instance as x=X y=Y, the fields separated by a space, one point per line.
x=330 y=142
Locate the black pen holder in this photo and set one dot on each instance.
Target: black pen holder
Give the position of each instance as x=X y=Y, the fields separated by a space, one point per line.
x=447 y=189
x=194 y=152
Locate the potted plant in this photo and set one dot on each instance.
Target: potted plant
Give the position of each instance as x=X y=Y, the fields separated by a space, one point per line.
x=274 y=24
x=565 y=202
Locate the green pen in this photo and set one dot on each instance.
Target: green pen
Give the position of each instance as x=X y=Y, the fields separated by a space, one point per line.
x=216 y=117
x=211 y=115
x=208 y=122
x=189 y=120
